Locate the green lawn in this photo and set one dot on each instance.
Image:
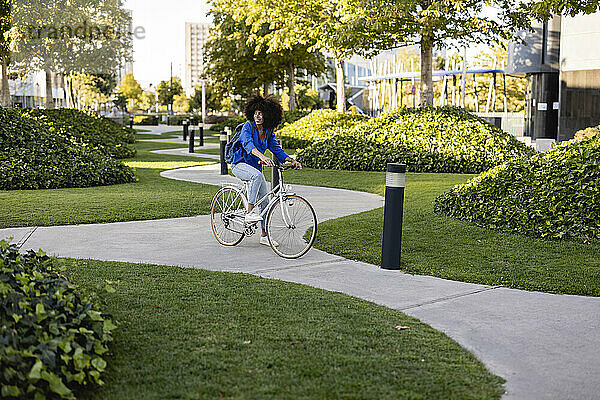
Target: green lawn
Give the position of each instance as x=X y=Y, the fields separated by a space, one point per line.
x=152 y=197
x=194 y=334
x=452 y=249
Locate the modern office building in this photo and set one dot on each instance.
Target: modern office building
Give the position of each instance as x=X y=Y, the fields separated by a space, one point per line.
x=562 y=64
x=30 y=91
x=196 y=36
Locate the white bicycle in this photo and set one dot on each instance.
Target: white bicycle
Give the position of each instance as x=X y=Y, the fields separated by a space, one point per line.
x=290 y=220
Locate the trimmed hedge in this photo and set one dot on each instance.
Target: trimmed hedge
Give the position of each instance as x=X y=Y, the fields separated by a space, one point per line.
x=52 y=338
x=433 y=139
x=177 y=120
x=318 y=125
x=97 y=132
x=550 y=195
x=35 y=156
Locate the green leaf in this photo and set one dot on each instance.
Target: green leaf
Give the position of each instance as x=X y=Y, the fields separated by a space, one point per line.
x=10 y=391
x=35 y=372
x=56 y=384
x=108 y=325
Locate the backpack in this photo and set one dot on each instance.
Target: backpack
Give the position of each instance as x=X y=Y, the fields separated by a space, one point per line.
x=232 y=146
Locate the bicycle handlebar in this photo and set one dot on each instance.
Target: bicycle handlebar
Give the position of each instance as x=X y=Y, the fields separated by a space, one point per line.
x=282 y=167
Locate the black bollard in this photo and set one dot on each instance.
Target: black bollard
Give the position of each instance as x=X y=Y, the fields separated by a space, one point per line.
x=191 y=145
x=201 y=134
x=185 y=129
x=392 y=216
x=223 y=138
x=131 y=121
x=275 y=172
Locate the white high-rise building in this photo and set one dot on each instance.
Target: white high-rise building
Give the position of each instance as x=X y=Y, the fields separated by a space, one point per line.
x=196 y=36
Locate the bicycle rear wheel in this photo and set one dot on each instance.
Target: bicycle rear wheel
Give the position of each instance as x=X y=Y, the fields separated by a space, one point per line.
x=227 y=216
x=292 y=226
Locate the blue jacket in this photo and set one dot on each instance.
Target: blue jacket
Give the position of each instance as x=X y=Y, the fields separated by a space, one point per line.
x=250 y=139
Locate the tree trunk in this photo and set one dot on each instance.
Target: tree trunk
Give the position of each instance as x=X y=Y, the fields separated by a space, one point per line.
x=49 y=97
x=290 y=84
x=340 y=79
x=5 y=100
x=265 y=89
x=426 y=70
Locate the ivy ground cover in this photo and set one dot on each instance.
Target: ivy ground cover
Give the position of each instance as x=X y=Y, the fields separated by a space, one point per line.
x=433 y=139
x=554 y=195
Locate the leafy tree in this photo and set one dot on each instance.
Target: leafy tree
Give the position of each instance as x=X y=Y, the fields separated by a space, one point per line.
x=120 y=101
x=236 y=58
x=167 y=91
x=545 y=9
x=431 y=22
x=335 y=26
x=213 y=100
x=147 y=100
x=93 y=89
x=5 y=22
x=232 y=66
x=49 y=35
x=181 y=103
x=131 y=89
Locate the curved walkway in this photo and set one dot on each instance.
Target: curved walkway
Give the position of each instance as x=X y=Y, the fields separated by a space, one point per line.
x=546 y=346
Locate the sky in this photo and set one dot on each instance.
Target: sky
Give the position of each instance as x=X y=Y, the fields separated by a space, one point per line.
x=164 y=38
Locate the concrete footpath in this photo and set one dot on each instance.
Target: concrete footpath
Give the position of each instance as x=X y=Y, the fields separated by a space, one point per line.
x=546 y=346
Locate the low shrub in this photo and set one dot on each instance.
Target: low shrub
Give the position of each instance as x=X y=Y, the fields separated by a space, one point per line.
x=177 y=120
x=587 y=133
x=230 y=122
x=97 y=132
x=216 y=119
x=34 y=156
x=145 y=120
x=444 y=139
x=318 y=125
x=53 y=338
x=555 y=194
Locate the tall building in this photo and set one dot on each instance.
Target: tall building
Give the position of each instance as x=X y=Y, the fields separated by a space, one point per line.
x=196 y=36
x=563 y=67
x=125 y=67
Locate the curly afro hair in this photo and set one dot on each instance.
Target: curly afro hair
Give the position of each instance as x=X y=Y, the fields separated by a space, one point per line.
x=270 y=107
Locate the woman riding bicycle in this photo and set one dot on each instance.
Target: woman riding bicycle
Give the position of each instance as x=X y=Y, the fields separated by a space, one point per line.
x=264 y=114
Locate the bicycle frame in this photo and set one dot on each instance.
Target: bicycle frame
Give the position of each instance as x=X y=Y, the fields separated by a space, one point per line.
x=278 y=193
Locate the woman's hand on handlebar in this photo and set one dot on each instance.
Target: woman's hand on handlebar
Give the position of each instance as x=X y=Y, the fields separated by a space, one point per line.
x=296 y=164
x=266 y=161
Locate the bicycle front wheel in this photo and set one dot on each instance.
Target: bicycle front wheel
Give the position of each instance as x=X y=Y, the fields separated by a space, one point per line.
x=291 y=226
x=227 y=216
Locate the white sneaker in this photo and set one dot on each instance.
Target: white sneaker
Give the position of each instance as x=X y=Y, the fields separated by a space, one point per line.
x=264 y=240
x=252 y=217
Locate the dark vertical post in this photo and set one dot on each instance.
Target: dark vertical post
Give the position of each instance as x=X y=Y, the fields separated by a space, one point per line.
x=275 y=171
x=223 y=138
x=392 y=216
x=191 y=145
x=185 y=129
x=131 y=121
x=201 y=134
